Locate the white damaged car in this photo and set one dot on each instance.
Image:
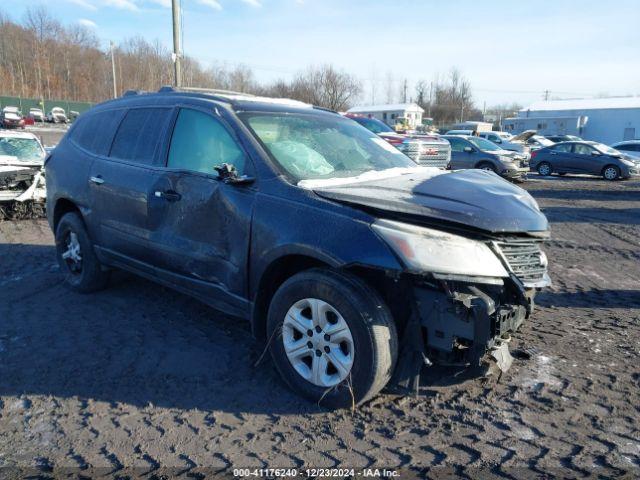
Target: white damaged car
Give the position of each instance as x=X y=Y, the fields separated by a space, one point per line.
x=22 y=183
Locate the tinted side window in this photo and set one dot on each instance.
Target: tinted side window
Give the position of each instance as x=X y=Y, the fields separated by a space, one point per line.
x=581 y=149
x=139 y=134
x=457 y=145
x=200 y=142
x=562 y=147
x=629 y=148
x=95 y=132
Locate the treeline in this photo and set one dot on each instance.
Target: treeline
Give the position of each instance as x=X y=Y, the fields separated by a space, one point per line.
x=41 y=58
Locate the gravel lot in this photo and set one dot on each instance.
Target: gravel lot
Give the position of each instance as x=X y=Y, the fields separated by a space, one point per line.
x=141 y=377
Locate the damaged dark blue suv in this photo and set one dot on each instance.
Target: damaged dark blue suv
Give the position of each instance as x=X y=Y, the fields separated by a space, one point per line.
x=355 y=265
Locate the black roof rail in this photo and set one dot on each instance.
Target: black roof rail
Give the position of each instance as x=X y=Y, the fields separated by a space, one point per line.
x=214 y=91
x=325 y=109
x=129 y=93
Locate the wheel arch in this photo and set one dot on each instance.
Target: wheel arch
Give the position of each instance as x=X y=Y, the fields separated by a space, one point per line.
x=389 y=287
x=484 y=161
x=273 y=276
x=62 y=207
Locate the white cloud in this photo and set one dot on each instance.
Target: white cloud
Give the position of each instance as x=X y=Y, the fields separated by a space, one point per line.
x=122 y=4
x=84 y=4
x=87 y=23
x=253 y=3
x=211 y=3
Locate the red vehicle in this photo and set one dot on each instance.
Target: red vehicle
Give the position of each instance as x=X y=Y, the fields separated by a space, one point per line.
x=425 y=150
x=11 y=118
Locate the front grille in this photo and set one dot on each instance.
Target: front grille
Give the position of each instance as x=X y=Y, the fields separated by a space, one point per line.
x=436 y=155
x=525 y=258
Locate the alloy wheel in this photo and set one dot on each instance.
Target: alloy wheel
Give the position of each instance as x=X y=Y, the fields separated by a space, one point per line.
x=318 y=342
x=544 y=169
x=611 y=173
x=73 y=253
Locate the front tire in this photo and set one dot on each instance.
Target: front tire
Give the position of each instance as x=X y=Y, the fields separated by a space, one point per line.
x=332 y=338
x=487 y=167
x=80 y=265
x=611 y=173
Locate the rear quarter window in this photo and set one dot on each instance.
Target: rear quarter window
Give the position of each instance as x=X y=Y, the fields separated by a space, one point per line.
x=139 y=134
x=94 y=132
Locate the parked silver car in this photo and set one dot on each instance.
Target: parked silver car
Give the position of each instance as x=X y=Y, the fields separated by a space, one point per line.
x=57 y=115
x=510 y=142
x=476 y=152
x=628 y=147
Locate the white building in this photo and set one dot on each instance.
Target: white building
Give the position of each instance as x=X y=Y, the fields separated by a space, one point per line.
x=393 y=113
x=606 y=120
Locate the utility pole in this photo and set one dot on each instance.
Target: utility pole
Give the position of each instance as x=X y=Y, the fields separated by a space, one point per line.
x=113 y=72
x=546 y=95
x=404 y=92
x=430 y=98
x=177 y=47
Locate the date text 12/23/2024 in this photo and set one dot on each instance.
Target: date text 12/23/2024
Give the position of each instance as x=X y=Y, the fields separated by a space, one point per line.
x=315 y=472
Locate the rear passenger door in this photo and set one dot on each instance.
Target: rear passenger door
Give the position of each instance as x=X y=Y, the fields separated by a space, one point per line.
x=561 y=158
x=201 y=224
x=122 y=183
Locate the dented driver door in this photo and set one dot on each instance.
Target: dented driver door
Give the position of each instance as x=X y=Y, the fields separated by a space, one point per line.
x=201 y=224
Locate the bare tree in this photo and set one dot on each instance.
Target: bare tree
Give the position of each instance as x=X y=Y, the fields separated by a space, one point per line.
x=390 y=87
x=40 y=57
x=326 y=87
x=452 y=98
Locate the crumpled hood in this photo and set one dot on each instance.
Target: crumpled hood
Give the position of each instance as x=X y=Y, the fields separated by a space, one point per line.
x=9 y=160
x=474 y=198
x=524 y=136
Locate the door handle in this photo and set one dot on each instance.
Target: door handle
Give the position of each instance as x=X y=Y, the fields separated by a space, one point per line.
x=553 y=153
x=169 y=195
x=98 y=180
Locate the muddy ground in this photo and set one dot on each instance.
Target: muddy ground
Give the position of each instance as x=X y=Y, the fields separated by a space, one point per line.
x=138 y=376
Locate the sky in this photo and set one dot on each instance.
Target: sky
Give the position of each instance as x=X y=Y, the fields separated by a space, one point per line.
x=509 y=51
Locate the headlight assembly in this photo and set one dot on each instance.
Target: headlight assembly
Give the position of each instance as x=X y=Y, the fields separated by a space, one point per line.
x=427 y=250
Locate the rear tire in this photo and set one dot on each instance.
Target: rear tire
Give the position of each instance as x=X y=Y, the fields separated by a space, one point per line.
x=611 y=173
x=544 y=169
x=371 y=345
x=77 y=259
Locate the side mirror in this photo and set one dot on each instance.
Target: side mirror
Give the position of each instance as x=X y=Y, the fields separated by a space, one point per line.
x=469 y=149
x=595 y=153
x=229 y=174
x=497 y=140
